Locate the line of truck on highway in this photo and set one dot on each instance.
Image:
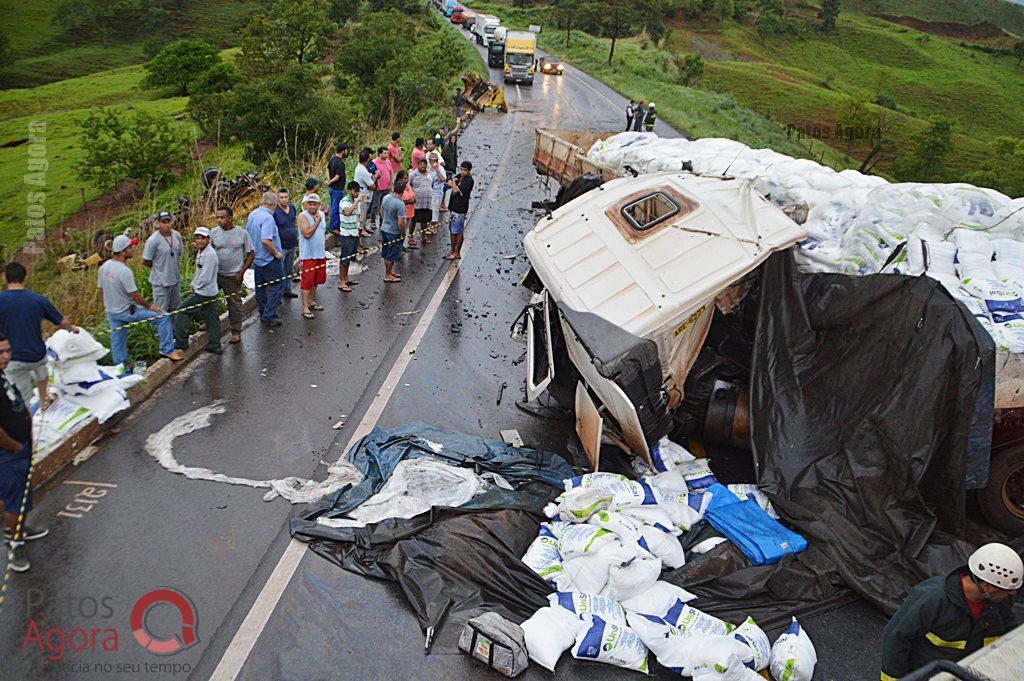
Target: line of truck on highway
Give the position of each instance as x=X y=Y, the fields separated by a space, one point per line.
x=515 y=52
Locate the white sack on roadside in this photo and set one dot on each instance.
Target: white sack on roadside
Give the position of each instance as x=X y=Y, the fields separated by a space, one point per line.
x=584 y=605
x=611 y=643
x=549 y=633
x=793 y=656
x=661 y=599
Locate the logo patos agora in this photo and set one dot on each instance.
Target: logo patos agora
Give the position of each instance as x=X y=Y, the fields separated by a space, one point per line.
x=92 y=631
x=184 y=639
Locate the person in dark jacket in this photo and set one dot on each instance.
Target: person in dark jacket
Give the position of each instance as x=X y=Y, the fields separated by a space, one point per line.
x=951 y=616
x=630 y=113
x=639 y=114
x=284 y=216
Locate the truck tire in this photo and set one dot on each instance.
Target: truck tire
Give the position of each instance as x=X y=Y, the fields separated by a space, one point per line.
x=1002 y=501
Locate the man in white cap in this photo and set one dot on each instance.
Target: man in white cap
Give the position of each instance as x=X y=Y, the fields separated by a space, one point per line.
x=951 y=616
x=162 y=254
x=125 y=305
x=202 y=297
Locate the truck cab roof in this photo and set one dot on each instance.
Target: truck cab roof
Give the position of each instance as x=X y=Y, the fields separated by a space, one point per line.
x=642 y=251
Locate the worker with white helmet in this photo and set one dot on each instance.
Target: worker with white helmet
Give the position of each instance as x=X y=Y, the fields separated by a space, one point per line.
x=649 y=118
x=951 y=616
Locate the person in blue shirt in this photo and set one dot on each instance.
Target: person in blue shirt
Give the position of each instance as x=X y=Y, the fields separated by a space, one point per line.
x=284 y=216
x=21 y=313
x=268 y=265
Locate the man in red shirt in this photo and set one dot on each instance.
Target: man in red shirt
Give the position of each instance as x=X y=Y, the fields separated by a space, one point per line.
x=395 y=153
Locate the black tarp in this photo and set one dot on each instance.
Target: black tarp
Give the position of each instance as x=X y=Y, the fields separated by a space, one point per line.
x=451 y=563
x=863 y=394
x=867 y=399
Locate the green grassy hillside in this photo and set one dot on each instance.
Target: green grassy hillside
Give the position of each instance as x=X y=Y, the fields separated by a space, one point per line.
x=62 y=106
x=809 y=82
x=1006 y=15
x=42 y=54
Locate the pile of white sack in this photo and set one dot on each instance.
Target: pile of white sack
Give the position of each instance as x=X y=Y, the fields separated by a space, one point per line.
x=604 y=550
x=969 y=238
x=82 y=387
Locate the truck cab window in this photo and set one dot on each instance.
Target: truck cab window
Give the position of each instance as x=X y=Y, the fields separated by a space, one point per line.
x=650 y=211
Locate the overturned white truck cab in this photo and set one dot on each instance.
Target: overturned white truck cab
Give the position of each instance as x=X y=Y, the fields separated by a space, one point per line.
x=626 y=280
x=648 y=274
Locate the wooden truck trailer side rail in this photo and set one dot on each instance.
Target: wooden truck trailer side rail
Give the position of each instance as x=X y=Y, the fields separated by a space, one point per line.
x=562 y=154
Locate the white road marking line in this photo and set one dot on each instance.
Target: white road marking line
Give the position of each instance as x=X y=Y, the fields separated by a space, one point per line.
x=256 y=619
x=606 y=97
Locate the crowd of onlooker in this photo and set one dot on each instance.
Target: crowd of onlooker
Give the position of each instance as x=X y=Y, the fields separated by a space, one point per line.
x=283 y=243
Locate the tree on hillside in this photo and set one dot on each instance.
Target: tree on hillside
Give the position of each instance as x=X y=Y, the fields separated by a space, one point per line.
x=221 y=77
x=926 y=158
x=570 y=14
x=691 y=68
x=180 y=64
x=623 y=18
x=368 y=45
x=724 y=9
x=343 y=10
x=1018 y=51
x=1004 y=169
x=6 y=53
x=120 y=147
x=863 y=124
x=771 y=19
x=292 y=32
x=288 y=113
x=828 y=14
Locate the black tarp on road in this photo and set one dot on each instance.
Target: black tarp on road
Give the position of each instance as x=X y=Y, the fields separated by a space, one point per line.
x=864 y=392
x=451 y=563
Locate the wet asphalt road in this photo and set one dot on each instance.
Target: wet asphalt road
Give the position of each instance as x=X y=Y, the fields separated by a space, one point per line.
x=219 y=543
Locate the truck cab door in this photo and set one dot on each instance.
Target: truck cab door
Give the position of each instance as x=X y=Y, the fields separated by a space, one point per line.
x=540 y=356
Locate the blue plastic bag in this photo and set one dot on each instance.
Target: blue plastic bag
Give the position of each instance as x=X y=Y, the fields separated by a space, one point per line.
x=745 y=524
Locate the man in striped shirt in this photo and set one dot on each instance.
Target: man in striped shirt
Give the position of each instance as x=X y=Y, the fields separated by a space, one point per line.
x=350 y=207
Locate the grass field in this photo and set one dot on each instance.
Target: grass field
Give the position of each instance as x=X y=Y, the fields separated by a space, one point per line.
x=1007 y=15
x=809 y=82
x=43 y=55
x=61 y=106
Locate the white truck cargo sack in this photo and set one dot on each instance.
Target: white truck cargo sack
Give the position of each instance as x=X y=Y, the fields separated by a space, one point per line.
x=793 y=655
x=549 y=633
x=584 y=605
x=611 y=643
x=659 y=600
x=755 y=638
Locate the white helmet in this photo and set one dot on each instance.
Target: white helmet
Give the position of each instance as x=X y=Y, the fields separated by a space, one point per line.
x=651 y=105
x=997 y=564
